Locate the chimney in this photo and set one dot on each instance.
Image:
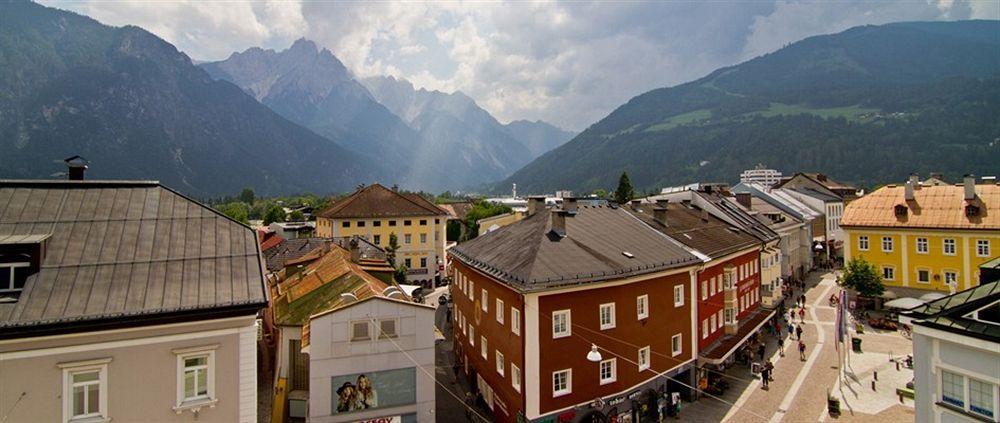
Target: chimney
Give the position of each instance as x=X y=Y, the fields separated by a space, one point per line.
x=663 y=202
x=660 y=215
x=969 y=182
x=76 y=167
x=355 y=250
x=635 y=204
x=821 y=177
x=744 y=199
x=559 y=222
x=908 y=190
x=569 y=204
x=915 y=181
x=704 y=214
x=536 y=203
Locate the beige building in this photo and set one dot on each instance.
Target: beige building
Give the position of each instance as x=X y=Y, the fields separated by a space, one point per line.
x=125 y=302
x=375 y=212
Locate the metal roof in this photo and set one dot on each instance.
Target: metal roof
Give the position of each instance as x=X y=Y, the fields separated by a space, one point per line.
x=707 y=234
x=119 y=249
x=952 y=313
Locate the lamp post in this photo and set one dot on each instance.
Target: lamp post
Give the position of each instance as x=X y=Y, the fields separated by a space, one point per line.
x=594 y=355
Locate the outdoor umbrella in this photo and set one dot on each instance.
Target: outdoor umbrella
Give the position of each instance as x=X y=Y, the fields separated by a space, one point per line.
x=904 y=303
x=889 y=295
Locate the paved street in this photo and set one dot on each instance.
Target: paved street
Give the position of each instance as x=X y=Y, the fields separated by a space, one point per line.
x=800 y=387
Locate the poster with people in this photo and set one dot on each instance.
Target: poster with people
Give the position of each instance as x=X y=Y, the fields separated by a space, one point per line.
x=366 y=391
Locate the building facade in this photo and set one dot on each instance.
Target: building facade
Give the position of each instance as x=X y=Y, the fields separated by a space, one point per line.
x=761 y=175
x=533 y=298
x=926 y=237
x=129 y=302
x=376 y=212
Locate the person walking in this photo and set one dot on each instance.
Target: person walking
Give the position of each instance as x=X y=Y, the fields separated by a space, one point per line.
x=781 y=345
x=765 y=377
x=791 y=328
x=802 y=350
x=802 y=300
x=798 y=332
x=760 y=351
x=802 y=314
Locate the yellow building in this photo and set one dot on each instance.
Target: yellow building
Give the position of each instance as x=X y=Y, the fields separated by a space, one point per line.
x=374 y=212
x=926 y=237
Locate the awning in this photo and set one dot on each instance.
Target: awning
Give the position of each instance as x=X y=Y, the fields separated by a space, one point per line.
x=720 y=350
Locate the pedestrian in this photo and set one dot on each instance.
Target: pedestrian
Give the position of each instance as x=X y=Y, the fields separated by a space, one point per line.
x=760 y=351
x=765 y=377
x=802 y=350
x=777 y=328
x=798 y=332
x=802 y=299
x=791 y=328
x=802 y=314
x=781 y=346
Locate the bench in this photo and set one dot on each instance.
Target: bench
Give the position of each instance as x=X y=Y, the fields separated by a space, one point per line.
x=904 y=392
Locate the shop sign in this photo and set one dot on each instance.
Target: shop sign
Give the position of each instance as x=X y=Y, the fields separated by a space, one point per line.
x=390 y=419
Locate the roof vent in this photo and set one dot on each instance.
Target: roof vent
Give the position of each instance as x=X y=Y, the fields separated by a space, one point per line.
x=349 y=297
x=628 y=254
x=77 y=166
x=392 y=292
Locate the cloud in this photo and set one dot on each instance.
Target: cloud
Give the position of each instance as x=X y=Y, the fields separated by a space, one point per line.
x=569 y=63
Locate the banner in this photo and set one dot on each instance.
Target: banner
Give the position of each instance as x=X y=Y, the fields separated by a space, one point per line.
x=365 y=391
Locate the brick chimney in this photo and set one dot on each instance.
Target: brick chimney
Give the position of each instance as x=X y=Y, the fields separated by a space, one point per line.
x=558 y=218
x=536 y=203
x=744 y=199
x=355 y=249
x=908 y=190
x=76 y=166
x=915 y=180
x=635 y=204
x=969 y=183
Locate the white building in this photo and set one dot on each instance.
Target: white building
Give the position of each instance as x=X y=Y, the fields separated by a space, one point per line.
x=761 y=175
x=956 y=356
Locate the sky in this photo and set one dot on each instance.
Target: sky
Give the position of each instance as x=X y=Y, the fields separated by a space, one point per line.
x=567 y=63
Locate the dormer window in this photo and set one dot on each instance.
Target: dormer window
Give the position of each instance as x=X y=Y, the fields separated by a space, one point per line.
x=13 y=275
x=900 y=210
x=971 y=210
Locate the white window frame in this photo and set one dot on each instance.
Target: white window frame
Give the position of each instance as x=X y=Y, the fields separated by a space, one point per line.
x=407 y=238
x=515 y=377
x=642 y=307
x=968 y=396
x=395 y=328
x=887 y=244
x=484 y=299
x=947 y=272
x=88 y=366
x=928 y=271
x=923 y=245
x=678 y=343
x=945 y=243
x=568 y=330
x=8 y=285
x=730 y=316
x=678 y=296
x=366 y=323
x=721 y=319
x=499 y=360
x=712 y=319
x=472 y=335
x=863 y=243
x=982 y=248
x=610 y=308
x=184 y=403
x=484 y=349
x=892 y=271
x=643 y=358
x=515 y=321
x=704 y=290
x=568 y=389
x=704 y=328
x=500 y=311
x=472 y=290
x=612 y=363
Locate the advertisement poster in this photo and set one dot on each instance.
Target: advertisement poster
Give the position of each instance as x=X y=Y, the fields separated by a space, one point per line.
x=366 y=391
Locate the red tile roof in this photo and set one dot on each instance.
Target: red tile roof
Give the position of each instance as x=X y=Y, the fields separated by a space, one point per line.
x=933 y=207
x=377 y=201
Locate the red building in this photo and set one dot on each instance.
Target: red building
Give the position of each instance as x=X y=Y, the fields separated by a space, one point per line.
x=533 y=298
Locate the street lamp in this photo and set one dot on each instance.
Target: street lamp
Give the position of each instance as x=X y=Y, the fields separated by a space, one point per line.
x=594 y=355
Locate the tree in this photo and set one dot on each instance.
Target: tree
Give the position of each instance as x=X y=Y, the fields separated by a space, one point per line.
x=862 y=277
x=480 y=210
x=400 y=274
x=390 y=250
x=625 y=192
x=247 y=196
x=296 y=216
x=274 y=213
x=236 y=210
x=601 y=193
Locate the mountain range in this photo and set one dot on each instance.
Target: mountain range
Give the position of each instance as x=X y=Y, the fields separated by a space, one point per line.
x=868 y=105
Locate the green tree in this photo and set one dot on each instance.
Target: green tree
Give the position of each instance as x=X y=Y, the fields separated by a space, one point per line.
x=400 y=274
x=247 y=196
x=390 y=250
x=237 y=211
x=296 y=216
x=273 y=214
x=862 y=277
x=625 y=192
x=601 y=193
x=480 y=210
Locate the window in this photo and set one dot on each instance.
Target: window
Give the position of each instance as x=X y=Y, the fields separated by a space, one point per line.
x=888 y=273
x=718 y=284
x=500 y=311
x=472 y=288
x=423 y=238
x=423 y=262
x=407 y=223
x=482 y=346
x=407 y=238
x=863 y=243
x=562 y=382
x=609 y=371
x=729 y=316
x=922 y=246
x=923 y=276
x=887 y=244
x=392 y=223
x=704 y=329
x=346 y=224
x=981 y=397
x=423 y=222
x=472 y=335
x=377 y=239
x=85 y=390
x=361 y=223
x=675 y=345
x=376 y=223
x=949 y=246
x=515 y=321
x=982 y=247
x=643 y=358
x=720 y=319
x=515 y=377
x=704 y=290
x=408 y=263
x=387 y=328
x=560 y=324
x=678 y=295
x=13 y=276
x=953 y=388
x=713 y=321
x=728 y=279
x=950 y=277
x=642 y=306
x=485 y=302
x=195 y=376
x=499 y=359
x=359 y=331
x=607 y=316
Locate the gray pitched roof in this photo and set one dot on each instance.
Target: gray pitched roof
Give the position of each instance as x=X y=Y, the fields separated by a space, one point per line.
x=528 y=256
x=707 y=234
x=125 y=249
